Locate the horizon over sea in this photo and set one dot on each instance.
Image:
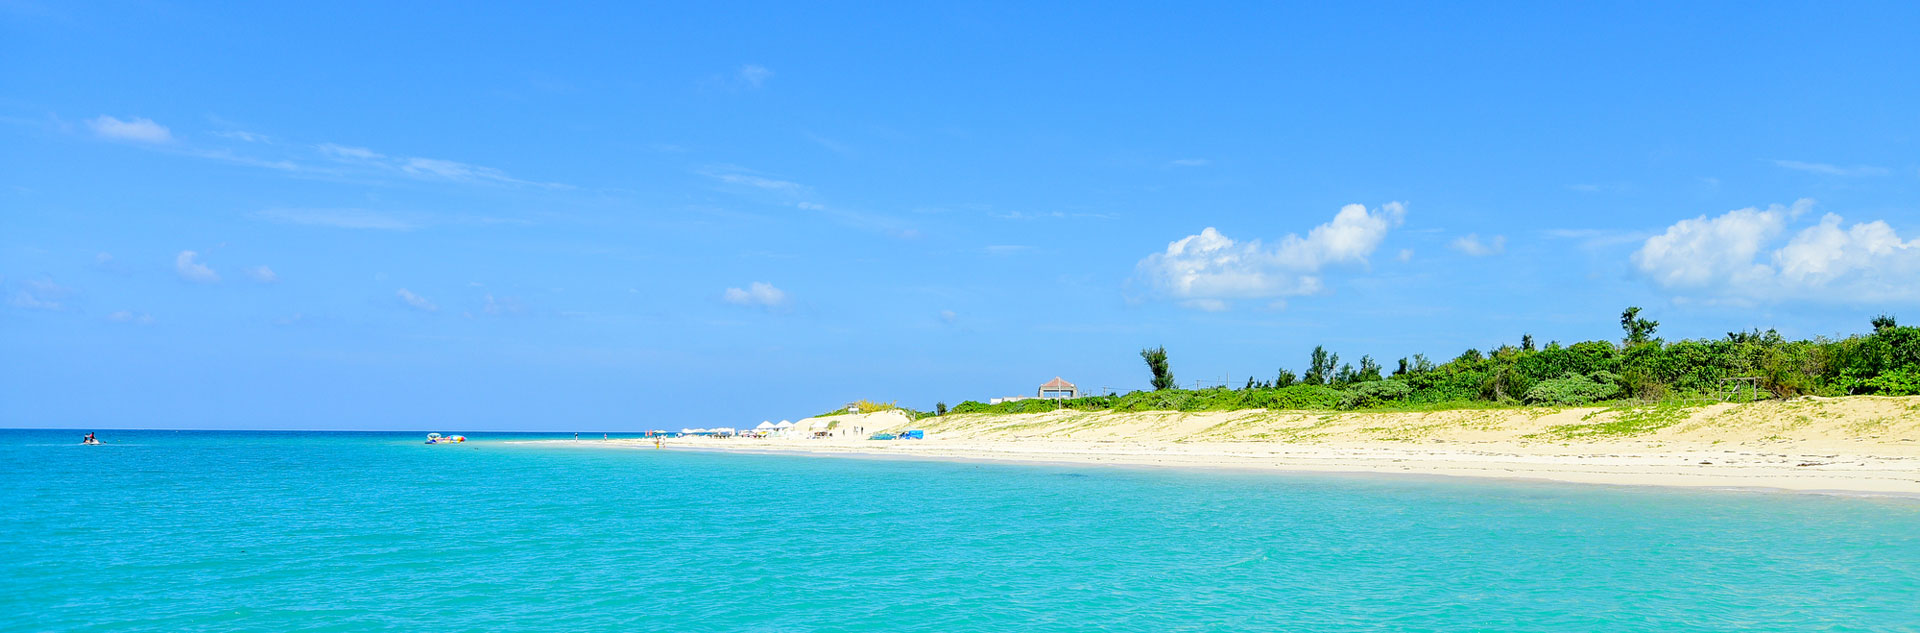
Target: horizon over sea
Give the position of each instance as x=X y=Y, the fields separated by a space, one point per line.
x=356 y=531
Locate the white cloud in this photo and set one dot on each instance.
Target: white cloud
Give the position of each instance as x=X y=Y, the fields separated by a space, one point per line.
x=1207 y=270
x=948 y=316
x=188 y=265
x=263 y=274
x=1471 y=244
x=759 y=294
x=1831 y=170
x=342 y=151
x=418 y=302
x=107 y=262
x=1826 y=253
x=1190 y=162
x=1405 y=254
x=812 y=206
x=337 y=218
x=1698 y=251
x=1728 y=257
x=755 y=74
x=138 y=129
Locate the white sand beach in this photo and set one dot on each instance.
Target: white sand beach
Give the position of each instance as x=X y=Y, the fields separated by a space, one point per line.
x=1857 y=444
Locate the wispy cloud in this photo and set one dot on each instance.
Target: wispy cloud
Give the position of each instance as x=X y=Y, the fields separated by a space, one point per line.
x=1189 y=162
x=831 y=145
x=243 y=136
x=188 y=265
x=424 y=168
x=1473 y=245
x=758 y=294
x=139 y=130
x=337 y=218
x=741 y=177
x=333 y=158
x=1596 y=238
x=415 y=301
x=1830 y=169
x=754 y=75
x=766 y=188
x=332 y=150
x=40 y=295
x=263 y=274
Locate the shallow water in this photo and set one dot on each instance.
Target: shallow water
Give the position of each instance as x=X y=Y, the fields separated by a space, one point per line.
x=217 y=531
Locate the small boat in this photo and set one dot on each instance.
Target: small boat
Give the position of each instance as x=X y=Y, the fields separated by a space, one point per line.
x=90 y=442
x=436 y=438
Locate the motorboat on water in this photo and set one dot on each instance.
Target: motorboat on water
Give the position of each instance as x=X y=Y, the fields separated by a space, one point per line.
x=436 y=438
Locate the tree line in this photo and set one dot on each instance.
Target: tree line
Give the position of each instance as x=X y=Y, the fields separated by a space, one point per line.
x=1638 y=367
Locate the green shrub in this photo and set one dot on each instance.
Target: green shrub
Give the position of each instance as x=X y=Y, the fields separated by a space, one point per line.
x=1574 y=389
x=1374 y=393
x=1904 y=381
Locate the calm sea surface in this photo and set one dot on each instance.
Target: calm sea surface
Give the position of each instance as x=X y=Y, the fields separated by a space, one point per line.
x=212 y=531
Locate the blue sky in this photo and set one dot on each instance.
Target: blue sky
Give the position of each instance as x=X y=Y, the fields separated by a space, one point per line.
x=417 y=215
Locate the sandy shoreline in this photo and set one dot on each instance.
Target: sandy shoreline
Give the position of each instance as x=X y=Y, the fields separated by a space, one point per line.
x=1855 y=445
x=1727 y=469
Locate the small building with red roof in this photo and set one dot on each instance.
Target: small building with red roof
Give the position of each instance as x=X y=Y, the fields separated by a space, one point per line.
x=1058 y=388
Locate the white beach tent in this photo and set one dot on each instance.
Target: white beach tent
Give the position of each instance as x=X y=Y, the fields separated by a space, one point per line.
x=764 y=425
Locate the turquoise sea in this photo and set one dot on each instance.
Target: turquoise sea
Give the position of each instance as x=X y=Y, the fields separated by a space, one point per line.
x=232 y=531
